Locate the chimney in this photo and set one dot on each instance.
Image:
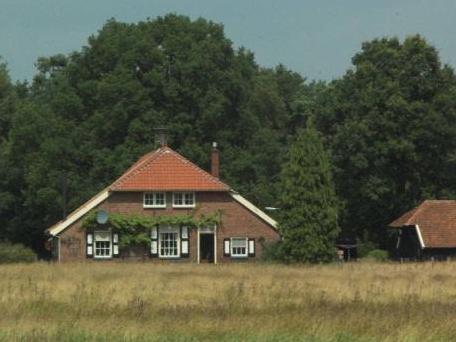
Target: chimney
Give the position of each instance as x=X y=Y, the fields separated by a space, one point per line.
x=215 y=161
x=161 y=136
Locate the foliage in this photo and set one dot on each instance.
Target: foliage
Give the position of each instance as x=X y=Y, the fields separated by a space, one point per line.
x=390 y=124
x=135 y=229
x=11 y=253
x=377 y=255
x=364 y=247
x=308 y=220
x=272 y=251
x=87 y=116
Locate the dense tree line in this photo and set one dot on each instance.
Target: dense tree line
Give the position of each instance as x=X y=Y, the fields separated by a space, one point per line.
x=388 y=125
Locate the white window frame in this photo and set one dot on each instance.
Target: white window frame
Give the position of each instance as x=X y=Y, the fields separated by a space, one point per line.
x=154 y=200
x=167 y=230
x=236 y=255
x=95 y=256
x=183 y=205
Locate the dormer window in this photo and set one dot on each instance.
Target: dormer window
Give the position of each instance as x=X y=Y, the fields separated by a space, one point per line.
x=154 y=200
x=184 y=200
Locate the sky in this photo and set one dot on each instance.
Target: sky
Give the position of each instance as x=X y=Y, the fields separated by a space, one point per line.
x=315 y=38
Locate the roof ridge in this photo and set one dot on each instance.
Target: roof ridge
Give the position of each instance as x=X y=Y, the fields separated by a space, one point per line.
x=133 y=170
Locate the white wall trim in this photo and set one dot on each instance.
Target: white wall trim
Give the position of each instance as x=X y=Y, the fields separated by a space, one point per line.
x=215 y=244
x=198 y=245
x=420 y=237
x=78 y=213
x=265 y=217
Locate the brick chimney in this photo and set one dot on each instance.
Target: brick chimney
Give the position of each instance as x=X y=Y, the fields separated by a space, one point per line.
x=161 y=136
x=215 y=161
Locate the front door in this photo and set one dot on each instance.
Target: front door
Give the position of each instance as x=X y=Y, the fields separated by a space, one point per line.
x=207 y=248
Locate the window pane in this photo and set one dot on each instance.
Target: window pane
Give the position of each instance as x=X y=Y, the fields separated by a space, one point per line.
x=169 y=242
x=239 y=247
x=178 y=198
x=148 y=199
x=159 y=198
x=189 y=198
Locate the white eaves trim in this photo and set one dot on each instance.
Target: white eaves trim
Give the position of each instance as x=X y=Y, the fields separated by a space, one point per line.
x=254 y=209
x=103 y=195
x=78 y=213
x=420 y=237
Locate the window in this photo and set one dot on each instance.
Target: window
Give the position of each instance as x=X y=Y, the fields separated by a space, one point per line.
x=103 y=244
x=184 y=199
x=239 y=247
x=169 y=242
x=154 y=200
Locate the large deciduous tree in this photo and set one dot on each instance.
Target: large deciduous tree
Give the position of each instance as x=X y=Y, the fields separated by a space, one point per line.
x=90 y=114
x=390 y=124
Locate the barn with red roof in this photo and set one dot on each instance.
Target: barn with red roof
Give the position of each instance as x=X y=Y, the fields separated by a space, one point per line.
x=171 y=199
x=427 y=231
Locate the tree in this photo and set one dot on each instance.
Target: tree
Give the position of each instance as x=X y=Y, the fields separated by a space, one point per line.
x=89 y=115
x=390 y=124
x=308 y=219
x=7 y=101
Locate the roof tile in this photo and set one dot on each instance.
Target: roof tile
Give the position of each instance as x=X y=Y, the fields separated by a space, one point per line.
x=165 y=169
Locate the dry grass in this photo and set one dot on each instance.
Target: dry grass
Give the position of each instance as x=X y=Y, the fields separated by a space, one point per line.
x=112 y=301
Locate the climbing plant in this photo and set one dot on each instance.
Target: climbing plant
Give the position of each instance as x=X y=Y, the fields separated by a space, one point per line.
x=134 y=229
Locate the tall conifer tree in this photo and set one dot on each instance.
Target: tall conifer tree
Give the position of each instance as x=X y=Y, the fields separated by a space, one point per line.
x=308 y=202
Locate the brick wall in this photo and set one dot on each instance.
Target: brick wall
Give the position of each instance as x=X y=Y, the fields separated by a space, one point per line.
x=236 y=221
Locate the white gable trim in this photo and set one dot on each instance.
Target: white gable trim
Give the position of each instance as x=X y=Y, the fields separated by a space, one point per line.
x=103 y=195
x=265 y=217
x=78 y=213
x=420 y=237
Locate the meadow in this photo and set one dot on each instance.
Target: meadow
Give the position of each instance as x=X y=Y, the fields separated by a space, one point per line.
x=244 y=302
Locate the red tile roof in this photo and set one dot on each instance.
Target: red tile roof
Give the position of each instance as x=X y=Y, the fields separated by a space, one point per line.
x=165 y=169
x=436 y=220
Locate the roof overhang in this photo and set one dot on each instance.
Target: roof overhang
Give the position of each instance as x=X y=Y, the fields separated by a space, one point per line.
x=78 y=213
x=420 y=237
x=103 y=195
x=247 y=204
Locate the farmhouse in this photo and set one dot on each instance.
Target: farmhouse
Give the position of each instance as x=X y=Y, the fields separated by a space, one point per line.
x=165 y=208
x=427 y=231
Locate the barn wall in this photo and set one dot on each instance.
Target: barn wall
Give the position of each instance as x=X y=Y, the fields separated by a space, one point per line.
x=409 y=245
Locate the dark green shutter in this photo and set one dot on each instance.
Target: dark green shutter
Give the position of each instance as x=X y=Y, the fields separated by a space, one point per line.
x=185 y=241
x=251 y=247
x=89 y=245
x=115 y=245
x=154 y=242
x=226 y=247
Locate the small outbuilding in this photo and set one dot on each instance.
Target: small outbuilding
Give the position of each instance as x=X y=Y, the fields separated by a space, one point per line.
x=427 y=231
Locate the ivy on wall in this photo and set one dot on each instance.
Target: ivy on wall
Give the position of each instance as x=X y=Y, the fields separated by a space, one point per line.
x=135 y=229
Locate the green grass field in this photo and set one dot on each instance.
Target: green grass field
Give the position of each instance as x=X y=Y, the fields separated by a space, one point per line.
x=148 y=302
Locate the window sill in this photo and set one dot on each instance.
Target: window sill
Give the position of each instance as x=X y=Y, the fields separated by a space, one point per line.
x=183 y=206
x=102 y=258
x=154 y=206
x=170 y=257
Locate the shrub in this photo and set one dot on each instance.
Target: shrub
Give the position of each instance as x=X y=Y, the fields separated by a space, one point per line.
x=378 y=255
x=273 y=251
x=10 y=253
x=365 y=247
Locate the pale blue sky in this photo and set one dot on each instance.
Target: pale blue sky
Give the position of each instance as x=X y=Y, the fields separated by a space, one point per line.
x=314 y=38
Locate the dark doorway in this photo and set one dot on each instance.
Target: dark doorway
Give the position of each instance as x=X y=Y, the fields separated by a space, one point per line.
x=207 y=248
